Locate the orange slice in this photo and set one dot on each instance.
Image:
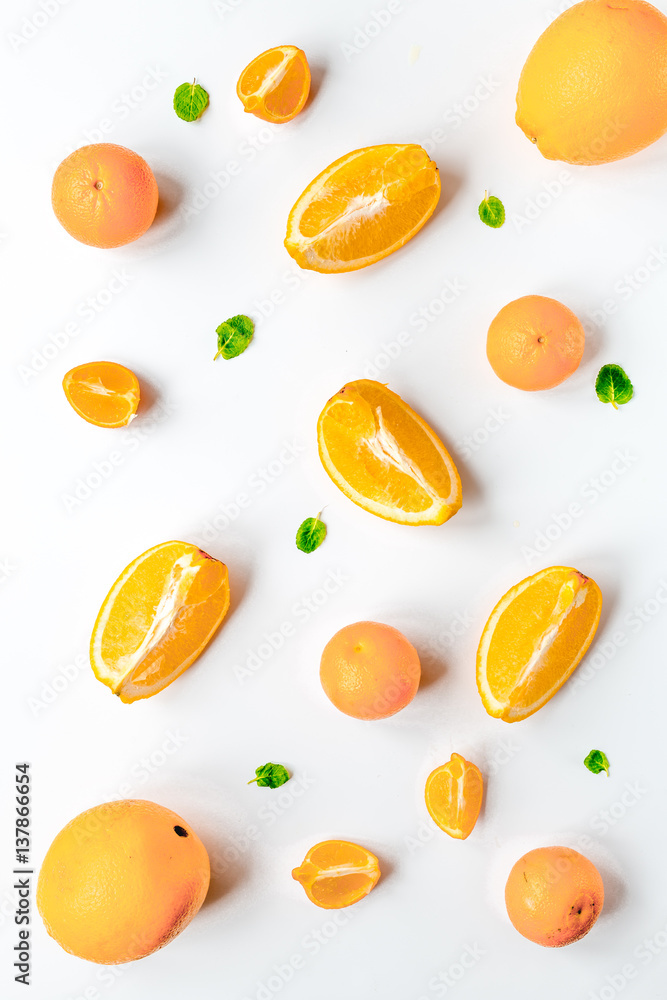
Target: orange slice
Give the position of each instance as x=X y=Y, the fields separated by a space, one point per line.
x=363 y=207
x=276 y=84
x=385 y=458
x=103 y=393
x=160 y=614
x=536 y=635
x=336 y=873
x=454 y=796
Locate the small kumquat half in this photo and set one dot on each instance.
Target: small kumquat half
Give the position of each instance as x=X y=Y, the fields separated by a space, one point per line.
x=276 y=84
x=337 y=873
x=103 y=393
x=454 y=794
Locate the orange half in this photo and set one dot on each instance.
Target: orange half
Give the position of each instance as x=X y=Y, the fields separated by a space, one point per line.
x=276 y=84
x=103 y=393
x=454 y=794
x=385 y=458
x=363 y=207
x=536 y=636
x=160 y=614
x=337 y=873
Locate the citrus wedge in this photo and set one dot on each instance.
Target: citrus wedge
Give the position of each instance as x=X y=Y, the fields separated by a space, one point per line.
x=536 y=635
x=276 y=84
x=103 y=393
x=454 y=796
x=363 y=207
x=160 y=614
x=337 y=873
x=385 y=458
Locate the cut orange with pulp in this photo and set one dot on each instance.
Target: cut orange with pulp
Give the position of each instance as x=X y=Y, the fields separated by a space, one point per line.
x=385 y=458
x=536 y=636
x=276 y=84
x=103 y=393
x=160 y=614
x=337 y=873
x=363 y=207
x=454 y=796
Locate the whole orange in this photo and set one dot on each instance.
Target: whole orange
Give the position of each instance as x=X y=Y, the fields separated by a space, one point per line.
x=369 y=670
x=594 y=87
x=554 y=895
x=122 y=880
x=535 y=343
x=104 y=195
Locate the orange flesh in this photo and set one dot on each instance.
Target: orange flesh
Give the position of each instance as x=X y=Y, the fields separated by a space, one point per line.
x=385 y=458
x=337 y=873
x=275 y=85
x=103 y=393
x=454 y=794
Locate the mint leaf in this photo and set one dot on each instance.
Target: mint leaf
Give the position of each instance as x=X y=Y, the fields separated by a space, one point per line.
x=492 y=211
x=613 y=386
x=597 y=762
x=234 y=335
x=190 y=101
x=270 y=775
x=311 y=534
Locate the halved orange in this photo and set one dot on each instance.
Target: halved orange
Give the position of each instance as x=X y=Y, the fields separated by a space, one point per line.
x=337 y=873
x=160 y=614
x=385 y=458
x=276 y=84
x=103 y=393
x=363 y=207
x=454 y=796
x=536 y=636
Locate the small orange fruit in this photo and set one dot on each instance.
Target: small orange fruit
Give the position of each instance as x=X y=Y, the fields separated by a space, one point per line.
x=454 y=794
x=276 y=84
x=363 y=207
x=160 y=614
x=536 y=636
x=337 y=873
x=594 y=87
x=535 y=343
x=104 y=195
x=369 y=670
x=385 y=458
x=103 y=393
x=554 y=895
x=122 y=880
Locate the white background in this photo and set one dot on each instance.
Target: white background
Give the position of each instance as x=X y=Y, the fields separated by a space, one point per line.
x=212 y=428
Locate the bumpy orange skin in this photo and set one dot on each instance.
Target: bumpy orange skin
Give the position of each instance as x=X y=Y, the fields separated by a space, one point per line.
x=122 y=880
x=594 y=87
x=554 y=895
x=104 y=195
x=535 y=343
x=369 y=670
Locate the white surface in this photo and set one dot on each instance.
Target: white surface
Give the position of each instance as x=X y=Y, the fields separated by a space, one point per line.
x=214 y=427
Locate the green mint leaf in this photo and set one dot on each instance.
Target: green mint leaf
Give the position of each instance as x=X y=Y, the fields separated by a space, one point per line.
x=190 y=101
x=311 y=534
x=492 y=211
x=613 y=386
x=597 y=761
x=234 y=335
x=270 y=776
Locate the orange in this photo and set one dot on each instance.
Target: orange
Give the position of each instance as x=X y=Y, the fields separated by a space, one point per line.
x=594 y=87
x=336 y=873
x=385 y=458
x=276 y=84
x=122 y=880
x=535 y=343
x=454 y=794
x=160 y=614
x=104 y=195
x=554 y=895
x=369 y=670
x=363 y=207
x=536 y=636
x=103 y=393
